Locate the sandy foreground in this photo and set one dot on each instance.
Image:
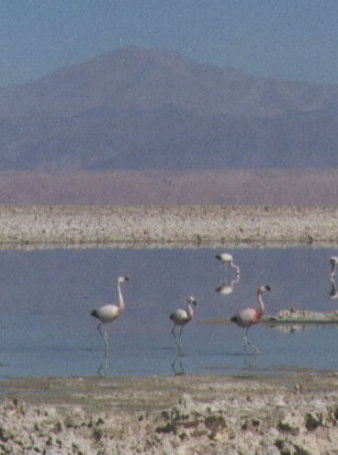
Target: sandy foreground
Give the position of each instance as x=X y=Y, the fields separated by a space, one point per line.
x=246 y=414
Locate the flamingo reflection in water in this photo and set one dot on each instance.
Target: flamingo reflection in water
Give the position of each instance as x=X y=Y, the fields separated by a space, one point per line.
x=251 y=316
x=108 y=313
x=180 y=318
x=227 y=288
x=177 y=365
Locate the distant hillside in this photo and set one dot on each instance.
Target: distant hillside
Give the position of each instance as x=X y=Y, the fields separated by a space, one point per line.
x=137 y=109
x=271 y=187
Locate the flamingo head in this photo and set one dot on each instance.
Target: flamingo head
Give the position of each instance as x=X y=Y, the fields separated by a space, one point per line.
x=122 y=279
x=191 y=300
x=263 y=288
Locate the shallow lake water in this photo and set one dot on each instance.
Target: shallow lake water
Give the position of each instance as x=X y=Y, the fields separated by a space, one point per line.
x=47 y=296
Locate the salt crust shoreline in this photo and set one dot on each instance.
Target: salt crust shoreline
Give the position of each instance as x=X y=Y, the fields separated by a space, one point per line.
x=246 y=414
x=165 y=226
x=292 y=413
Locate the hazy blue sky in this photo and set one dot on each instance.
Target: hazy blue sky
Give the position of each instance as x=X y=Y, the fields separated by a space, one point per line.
x=288 y=39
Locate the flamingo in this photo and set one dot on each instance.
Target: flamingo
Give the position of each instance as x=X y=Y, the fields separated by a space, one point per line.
x=250 y=316
x=181 y=317
x=228 y=259
x=333 y=261
x=108 y=313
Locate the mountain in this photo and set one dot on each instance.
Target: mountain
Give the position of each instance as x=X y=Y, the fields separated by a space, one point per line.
x=137 y=109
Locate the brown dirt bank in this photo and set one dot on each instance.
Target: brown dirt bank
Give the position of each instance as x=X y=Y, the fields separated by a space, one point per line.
x=231 y=415
x=159 y=226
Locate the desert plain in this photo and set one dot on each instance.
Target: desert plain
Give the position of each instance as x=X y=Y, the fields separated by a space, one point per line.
x=245 y=414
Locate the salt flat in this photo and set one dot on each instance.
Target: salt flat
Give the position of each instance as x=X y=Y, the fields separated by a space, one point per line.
x=159 y=226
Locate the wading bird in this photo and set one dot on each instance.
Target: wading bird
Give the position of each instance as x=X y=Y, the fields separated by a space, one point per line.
x=181 y=317
x=108 y=313
x=227 y=259
x=250 y=316
x=333 y=261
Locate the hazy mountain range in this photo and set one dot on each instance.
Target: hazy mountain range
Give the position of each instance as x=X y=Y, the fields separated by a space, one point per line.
x=149 y=109
x=166 y=129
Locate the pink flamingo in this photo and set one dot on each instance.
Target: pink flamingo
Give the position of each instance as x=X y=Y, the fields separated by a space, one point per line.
x=181 y=317
x=250 y=316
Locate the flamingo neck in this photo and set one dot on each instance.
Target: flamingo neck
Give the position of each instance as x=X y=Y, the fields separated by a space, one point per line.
x=121 y=300
x=236 y=267
x=190 y=311
x=261 y=306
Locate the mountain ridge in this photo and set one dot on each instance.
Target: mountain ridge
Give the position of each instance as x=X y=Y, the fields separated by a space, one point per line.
x=152 y=109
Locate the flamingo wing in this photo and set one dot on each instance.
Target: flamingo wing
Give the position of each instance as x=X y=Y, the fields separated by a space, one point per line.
x=246 y=317
x=107 y=313
x=179 y=316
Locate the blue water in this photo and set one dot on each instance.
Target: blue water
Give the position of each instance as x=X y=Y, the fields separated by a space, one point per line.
x=47 y=296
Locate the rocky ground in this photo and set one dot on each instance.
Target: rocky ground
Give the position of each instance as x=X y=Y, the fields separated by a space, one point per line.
x=293 y=414
x=247 y=414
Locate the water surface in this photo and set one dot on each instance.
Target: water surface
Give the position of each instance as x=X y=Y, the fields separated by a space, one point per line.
x=47 y=296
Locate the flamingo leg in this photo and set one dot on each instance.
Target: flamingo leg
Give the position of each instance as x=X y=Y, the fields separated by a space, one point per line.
x=245 y=338
x=247 y=343
x=104 y=335
x=178 y=369
x=179 y=343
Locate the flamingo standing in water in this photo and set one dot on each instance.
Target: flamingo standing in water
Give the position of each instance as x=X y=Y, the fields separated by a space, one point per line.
x=250 y=316
x=108 y=313
x=227 y=258
x=333 y=261
x=333 y=292
x=181 y=317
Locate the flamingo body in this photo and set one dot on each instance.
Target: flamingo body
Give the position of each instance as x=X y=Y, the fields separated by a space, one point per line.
x=107 y=313
x=180 y=316
x=224 y=257
x=247 y=317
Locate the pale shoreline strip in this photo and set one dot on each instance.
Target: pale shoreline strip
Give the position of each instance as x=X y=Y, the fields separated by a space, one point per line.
x=167 y=226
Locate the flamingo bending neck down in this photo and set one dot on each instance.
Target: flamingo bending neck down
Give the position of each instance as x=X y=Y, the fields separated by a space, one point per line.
x=251 y=316
x=181 y=317
x=227 y=258
x=333 y=261
x=108 y=313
